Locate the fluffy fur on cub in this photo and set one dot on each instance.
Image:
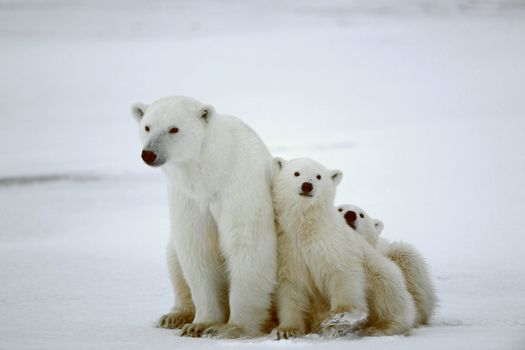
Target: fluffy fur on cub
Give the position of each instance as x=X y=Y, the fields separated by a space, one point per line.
x=409 y=260
x=329 y=281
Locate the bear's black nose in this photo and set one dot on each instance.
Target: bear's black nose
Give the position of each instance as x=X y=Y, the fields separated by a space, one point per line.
x=307 y=187
x=149 y=157
x=350 y=217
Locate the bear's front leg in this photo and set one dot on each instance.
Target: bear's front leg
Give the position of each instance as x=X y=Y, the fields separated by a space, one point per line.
x=292 y=291
x=195 y=238
x=183 y=310
x=248 y=242
x=290 y=305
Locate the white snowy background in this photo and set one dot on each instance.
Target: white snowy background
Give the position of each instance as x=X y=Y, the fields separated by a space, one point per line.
x=421 y=103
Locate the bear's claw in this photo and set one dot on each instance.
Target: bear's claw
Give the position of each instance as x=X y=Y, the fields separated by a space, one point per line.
x=286 y=333
x=193 y=330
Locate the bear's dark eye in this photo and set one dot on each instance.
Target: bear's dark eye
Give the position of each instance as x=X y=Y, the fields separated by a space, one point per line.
x=361 y=215
x=174 y=130
x=318 y=177
x=340 y=210
x=297 y=174
x=146 y=128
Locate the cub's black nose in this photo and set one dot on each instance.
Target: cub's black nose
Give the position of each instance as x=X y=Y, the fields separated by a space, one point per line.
x=307 y=187
x=350 y=217
x=149 y=157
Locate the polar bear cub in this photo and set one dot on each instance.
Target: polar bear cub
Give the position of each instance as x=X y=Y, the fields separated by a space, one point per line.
x=319 y=263
x=409 y=260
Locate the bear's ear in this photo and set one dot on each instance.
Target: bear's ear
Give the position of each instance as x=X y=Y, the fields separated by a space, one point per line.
x=138 y=110
x=336 y=176
x=206 y=112
x=379 y=226
x=278 y=164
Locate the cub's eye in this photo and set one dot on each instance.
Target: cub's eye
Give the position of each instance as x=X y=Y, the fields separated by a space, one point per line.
x=339 y=210
x=297 y=174
x=174 y=130
x=146 y=128
x=318 y=177
x=361 y=215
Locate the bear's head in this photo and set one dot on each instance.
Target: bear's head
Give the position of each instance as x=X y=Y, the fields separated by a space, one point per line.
x=172 y=129
x=303 y=183
x=363 y=224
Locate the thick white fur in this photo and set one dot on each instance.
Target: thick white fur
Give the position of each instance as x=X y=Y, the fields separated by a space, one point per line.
x=321 y=265
x=409 y=260
x=222 y=248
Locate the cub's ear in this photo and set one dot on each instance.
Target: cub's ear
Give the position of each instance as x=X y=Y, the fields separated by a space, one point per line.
x=138 y=110
x=206 y=112
x=336 y=176
x=379 y=226
x=278 y=164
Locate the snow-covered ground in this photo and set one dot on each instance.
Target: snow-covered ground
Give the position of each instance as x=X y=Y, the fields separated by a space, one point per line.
x=420 y=103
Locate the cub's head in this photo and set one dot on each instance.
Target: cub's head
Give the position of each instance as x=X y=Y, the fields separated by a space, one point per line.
x=363 y=224
x=172 y=129
x=304 y=183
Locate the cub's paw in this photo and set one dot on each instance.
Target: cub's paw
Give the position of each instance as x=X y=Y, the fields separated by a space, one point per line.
x=194 y=330
x=335 y=331
x=175 y=319
x=286 y=333
x=223 y=331
x=341 y=323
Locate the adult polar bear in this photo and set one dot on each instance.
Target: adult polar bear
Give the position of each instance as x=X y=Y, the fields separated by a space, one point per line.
x=223 y=238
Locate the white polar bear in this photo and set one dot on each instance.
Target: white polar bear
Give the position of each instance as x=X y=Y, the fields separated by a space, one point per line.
x=409 y=260
x=319 y=263
x=223 y=241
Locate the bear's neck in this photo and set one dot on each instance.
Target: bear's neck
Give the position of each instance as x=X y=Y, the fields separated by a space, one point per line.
x=307 y=221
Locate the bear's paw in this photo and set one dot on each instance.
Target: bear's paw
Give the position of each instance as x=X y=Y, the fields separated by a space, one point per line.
x=341 y=323
x=175 y=320
x=223 y=331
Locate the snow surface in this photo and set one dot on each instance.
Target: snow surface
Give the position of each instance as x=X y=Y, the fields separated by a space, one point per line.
x=420 y=103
